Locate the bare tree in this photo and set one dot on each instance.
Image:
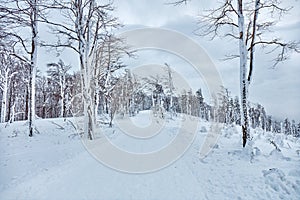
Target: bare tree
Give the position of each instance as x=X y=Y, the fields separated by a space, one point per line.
x=107 y=60
x=240 y=20
x=85 y=23
x=7 y=72
x=58 y=71
x=18 y=16
x=170 y=88
x=156 y=85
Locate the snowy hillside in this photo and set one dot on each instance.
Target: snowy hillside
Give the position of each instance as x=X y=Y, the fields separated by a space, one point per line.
x=55 y=165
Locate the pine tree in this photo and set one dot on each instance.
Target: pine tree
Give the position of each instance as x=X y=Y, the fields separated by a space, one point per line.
x=298 y=130
x=287 y=127
x=269 y=123
x=293 y=128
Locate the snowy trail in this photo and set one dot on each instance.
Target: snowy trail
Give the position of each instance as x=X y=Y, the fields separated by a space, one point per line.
x=89 y=175
x=52 y=165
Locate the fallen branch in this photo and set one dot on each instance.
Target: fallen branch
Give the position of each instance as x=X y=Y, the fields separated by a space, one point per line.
x=60 y=127
x=275 y=145
x=72 y=124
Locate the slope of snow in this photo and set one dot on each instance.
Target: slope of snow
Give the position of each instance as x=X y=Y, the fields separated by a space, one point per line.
x=55 y=165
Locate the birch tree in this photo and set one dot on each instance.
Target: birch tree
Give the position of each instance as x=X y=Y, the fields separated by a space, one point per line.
x=240 y=20
x=6 y=74
x=20 y=16
x=85 y=23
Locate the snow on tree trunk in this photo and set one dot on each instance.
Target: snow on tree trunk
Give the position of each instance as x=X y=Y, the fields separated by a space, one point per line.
x=243 y=71
x=152 y=99
x=87 y=91
x=33 y=64
x=88 y=108
x=12 y=118
x=4 y=97
x=86 y=71
x=255 y=16
x=97 y=99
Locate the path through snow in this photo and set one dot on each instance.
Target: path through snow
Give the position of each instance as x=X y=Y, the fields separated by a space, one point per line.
x=55 y=165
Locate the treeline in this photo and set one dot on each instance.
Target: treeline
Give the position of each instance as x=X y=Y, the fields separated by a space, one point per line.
x=55 y=92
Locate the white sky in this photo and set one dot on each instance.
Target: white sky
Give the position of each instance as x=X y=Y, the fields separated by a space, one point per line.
x=278 y=90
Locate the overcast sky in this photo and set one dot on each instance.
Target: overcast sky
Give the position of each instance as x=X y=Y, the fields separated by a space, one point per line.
x=278 y=89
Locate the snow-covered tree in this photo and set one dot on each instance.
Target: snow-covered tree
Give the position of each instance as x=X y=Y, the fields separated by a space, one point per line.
x=58 y=72
x=298 y=130
x=19 y=16
x=293 y=128
x=42 y=93
x=183 y=102
x=107 y=61
x=200 y=100
x=156 y=86
x=170 y=89
x=237 y=113
x=263 y=118
x=225 y=109
x=287 y=126
x=239 y=19
x=7 y=72
x=276 y=126
x=269 y=123
x=88 y=24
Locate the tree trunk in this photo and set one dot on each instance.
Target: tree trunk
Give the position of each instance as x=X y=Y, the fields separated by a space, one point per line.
x=12 y=116
x=96 y=103
x=4 y=98
x=62 y=94
x=10 y=104
x=30 y=103
x=33 y=66
x=26 y=104
x=255 y=16
x=243 y=71
x=88 y=108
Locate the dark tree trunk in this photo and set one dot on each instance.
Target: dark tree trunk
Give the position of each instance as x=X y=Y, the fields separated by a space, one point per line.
x=30 y=103
x=26 y=104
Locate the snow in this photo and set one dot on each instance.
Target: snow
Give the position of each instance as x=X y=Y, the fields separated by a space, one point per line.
x=55 y=165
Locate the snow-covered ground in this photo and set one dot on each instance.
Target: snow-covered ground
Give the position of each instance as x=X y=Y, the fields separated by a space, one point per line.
x=55 y=165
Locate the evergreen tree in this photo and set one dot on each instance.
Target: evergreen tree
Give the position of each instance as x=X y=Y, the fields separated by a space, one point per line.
x=287 y=127
x=298 y=130
x=269 y=123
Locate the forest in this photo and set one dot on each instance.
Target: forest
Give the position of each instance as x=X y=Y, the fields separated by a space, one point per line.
x=27 y=93
x=88 y=113
x=56 y=90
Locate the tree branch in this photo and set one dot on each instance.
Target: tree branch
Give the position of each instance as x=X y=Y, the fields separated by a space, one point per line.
x=60 y=46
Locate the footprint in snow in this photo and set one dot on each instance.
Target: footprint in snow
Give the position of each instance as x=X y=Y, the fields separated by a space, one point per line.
x=277 y=180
